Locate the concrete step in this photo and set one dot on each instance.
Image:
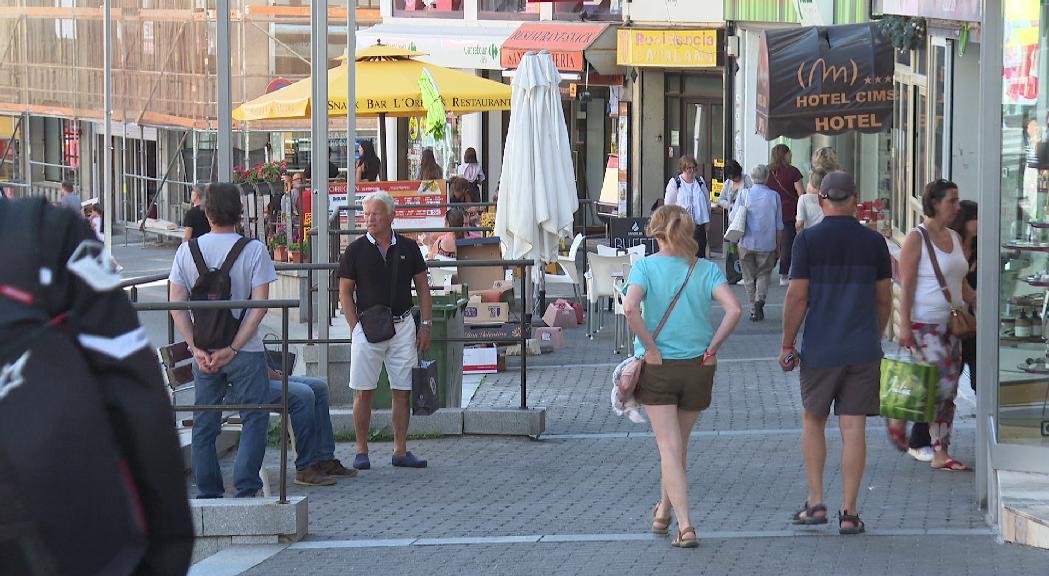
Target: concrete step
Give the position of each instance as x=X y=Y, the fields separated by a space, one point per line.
x=1024 y=515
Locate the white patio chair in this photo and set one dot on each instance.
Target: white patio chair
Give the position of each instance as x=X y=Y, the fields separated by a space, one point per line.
x=571 y=271
x=599 y=282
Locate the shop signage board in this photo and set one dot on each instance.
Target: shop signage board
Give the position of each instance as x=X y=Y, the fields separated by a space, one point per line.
x=667 y=48
x=565 y=42
x=824 y=80
x=453 y=48
x=626 y=233
x=403 y=192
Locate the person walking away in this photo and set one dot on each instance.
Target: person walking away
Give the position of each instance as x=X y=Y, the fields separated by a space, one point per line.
x=194 y=223
x=368 y=163
x=810 y=208
x=376 y=273
x=470 y=169
x=677 y=377
x=919 y=442
x=444 y=245
x=840 y=287
x=235 y=371
x=925 y=311
x=759 y=247
x=429 y=169
x=93 y=483
x=689 y=191
x=70 y=199
x=825 y=158
x=785 y=179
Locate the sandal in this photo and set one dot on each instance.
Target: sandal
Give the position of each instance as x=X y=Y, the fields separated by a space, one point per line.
x=807 y=515
x=681 y=542
x=952 y=465
x=660 y=525
x=897 y=437
x=858 y=527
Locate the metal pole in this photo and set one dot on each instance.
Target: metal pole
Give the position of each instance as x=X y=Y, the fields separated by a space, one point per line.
x=525 y=321
x=319 y=160
x=107 y=133
x=284 y=408
x=224 y=96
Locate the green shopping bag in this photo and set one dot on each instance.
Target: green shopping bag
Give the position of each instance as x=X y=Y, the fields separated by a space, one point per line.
x=908 y=388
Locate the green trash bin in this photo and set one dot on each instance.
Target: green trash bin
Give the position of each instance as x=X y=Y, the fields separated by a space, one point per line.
x=447 y=323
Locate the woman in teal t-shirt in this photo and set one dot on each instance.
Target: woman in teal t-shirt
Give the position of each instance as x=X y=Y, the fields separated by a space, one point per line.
x=677 y=377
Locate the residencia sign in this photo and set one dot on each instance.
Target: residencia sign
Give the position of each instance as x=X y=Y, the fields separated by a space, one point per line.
x=824 y=80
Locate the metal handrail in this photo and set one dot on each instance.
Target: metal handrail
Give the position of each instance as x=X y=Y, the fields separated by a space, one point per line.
x=281 y=408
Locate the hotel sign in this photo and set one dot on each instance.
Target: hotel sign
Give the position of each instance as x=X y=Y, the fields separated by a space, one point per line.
x=824 y=80
x=667 y=48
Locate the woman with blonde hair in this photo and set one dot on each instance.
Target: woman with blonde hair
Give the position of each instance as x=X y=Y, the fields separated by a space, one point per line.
x=677 y=377
x=826 y=158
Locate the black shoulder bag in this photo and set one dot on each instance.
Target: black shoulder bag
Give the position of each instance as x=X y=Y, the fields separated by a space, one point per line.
x=377 y=319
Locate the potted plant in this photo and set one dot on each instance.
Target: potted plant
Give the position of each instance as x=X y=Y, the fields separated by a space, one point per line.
x=294 y=252
x=304 y=247
x=280 y=244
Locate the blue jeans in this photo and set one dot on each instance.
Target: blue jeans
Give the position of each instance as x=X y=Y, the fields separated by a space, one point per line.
x=310 y=418
x=242 y=381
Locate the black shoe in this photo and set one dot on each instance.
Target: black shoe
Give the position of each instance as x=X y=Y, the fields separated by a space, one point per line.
x=759 y=311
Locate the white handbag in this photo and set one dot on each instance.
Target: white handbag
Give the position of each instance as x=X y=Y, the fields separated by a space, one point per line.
x=738 y=226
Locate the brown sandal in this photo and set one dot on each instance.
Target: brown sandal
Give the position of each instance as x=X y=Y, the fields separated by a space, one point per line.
x=660 y=525
x=681 y=542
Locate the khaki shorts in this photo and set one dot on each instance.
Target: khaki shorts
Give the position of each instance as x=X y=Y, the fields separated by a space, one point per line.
x=854 y=390
x=682 y=383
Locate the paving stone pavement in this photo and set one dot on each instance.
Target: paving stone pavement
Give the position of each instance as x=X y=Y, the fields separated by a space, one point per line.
x=578 y=500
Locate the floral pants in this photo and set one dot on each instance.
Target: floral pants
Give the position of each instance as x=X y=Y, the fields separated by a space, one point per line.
x=943 y=350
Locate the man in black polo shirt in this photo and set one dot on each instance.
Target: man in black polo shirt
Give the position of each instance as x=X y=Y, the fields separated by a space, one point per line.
x=195 y=224
x=365 y=273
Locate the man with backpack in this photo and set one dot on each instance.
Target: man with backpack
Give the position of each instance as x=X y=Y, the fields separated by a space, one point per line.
x=229 y=360
x=92 y=476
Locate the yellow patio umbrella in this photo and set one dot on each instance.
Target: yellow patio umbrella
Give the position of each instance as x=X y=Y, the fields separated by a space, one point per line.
x=387 y=84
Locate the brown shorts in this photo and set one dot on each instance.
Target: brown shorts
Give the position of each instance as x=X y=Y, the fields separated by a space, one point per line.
x=854 y=390
x=683 y=383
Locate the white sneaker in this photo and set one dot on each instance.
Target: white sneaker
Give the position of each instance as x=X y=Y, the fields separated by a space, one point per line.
x=783 y=281
x=923 y=454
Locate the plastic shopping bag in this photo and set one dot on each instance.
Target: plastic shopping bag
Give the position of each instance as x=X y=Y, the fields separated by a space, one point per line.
x=908 y=388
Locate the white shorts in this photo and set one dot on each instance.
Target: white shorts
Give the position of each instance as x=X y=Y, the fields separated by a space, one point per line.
x=398 y=353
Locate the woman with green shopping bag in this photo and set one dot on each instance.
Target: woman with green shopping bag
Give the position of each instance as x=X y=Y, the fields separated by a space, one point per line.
x=932 y=273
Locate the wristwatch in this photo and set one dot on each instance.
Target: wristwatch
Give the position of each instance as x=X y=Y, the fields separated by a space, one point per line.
x=426 y=323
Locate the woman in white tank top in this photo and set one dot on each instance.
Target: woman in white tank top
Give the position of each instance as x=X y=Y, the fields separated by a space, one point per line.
x=924 y=311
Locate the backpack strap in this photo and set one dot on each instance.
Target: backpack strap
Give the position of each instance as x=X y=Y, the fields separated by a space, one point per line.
x=198 y=258
x=234 y=253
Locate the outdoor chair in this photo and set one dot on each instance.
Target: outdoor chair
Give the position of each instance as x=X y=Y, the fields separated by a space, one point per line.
x=600 y=284
x=571 y=270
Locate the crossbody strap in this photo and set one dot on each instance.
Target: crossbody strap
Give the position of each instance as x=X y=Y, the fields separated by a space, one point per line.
x=393 y=271
x=936 y=265
x=666 y=315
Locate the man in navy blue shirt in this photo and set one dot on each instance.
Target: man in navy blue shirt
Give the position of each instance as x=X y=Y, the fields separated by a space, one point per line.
x=840 y=287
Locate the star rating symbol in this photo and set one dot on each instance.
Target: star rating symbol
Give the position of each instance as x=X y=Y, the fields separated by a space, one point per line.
x=867 y=80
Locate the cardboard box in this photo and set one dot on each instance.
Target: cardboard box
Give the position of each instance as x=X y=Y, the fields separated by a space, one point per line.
x=482 y=313
x=483 y=360
x=501 y=291
x=479 y=277
x=553 y=337
x=560 y=316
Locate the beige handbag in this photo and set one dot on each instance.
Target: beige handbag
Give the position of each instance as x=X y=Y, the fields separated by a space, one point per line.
x=961 y=322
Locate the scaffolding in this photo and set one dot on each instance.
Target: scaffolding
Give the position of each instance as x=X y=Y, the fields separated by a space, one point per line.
x=164 y=91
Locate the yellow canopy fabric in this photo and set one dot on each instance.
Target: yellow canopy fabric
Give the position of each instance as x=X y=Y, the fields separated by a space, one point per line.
x=387 y=83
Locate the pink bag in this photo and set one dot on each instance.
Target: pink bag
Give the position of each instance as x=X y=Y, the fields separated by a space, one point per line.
x=630 y=369
x=575 y=306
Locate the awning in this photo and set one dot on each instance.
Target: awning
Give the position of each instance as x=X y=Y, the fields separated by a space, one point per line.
x=571 y=45
x=824 y=80
x=458 y=47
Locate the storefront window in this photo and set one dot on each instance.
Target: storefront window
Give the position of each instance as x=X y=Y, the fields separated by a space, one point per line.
x=1023 y=394
x=939 y=86
x=588 y=10
x=428 y=8
x=507 y=10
